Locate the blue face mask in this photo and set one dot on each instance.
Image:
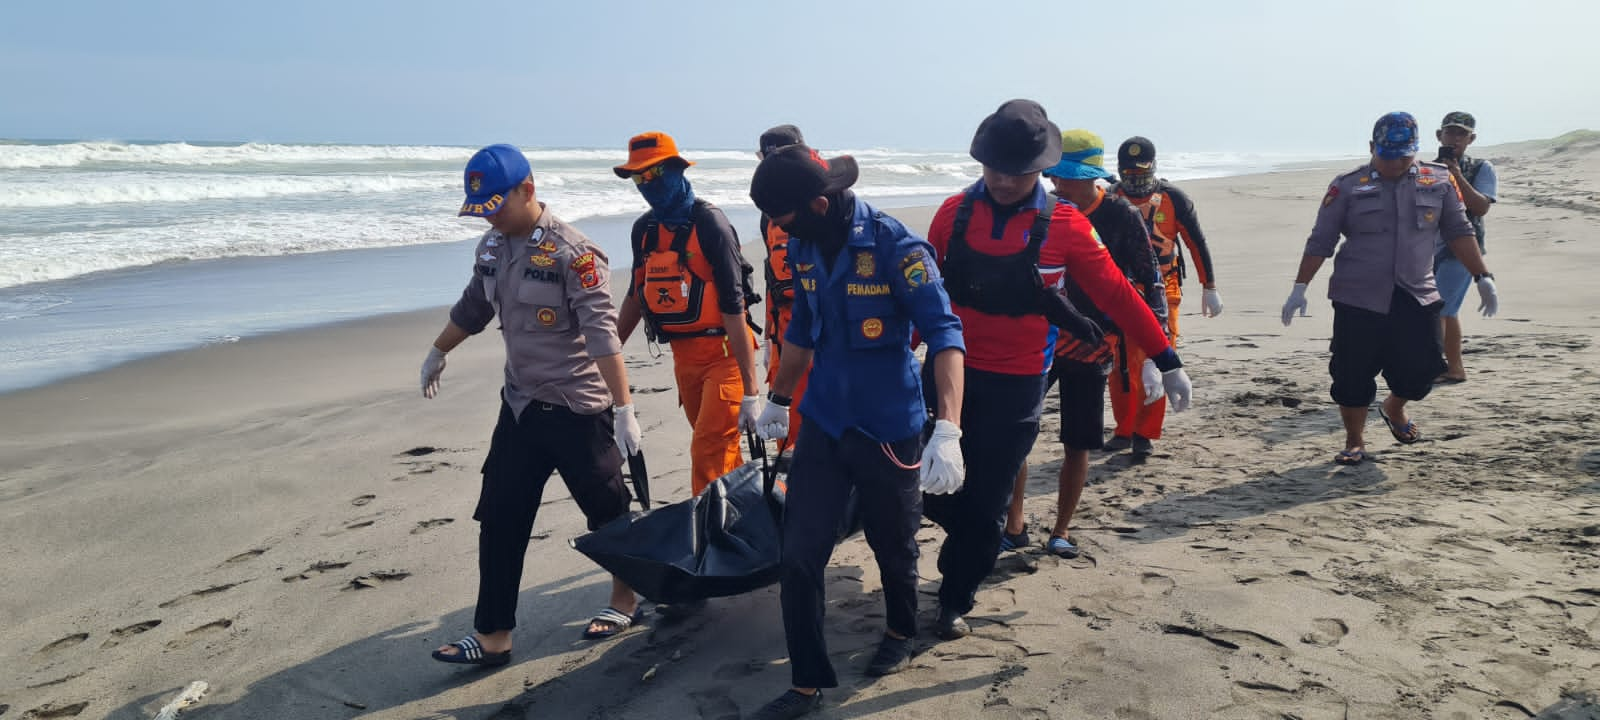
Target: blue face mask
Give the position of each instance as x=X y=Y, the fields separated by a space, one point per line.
x=670 y=196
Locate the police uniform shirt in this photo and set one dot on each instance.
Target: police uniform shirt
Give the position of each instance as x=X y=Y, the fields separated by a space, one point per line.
x=1390 y=228
x=552 y=292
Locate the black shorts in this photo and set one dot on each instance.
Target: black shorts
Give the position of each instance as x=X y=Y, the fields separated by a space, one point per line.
x=549 y=438
x=1083 y=403
x=1405 y=346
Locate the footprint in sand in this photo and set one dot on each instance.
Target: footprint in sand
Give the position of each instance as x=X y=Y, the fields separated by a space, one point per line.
x=737 y=671
x=420 y=451
x=246 y=555
x=1327 y=632
x=54 y=648
x=199 y=634
x=1158 y=583
x=56 y=681
x=123 y=633
x=196 y=595
x=362 y=500
x=714 y=705
x=359 y=525
x=427 y=525
x=49 y=710
x=316 y=569
x=374 y=579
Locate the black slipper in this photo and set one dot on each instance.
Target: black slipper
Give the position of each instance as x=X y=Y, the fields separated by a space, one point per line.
x=471 y=652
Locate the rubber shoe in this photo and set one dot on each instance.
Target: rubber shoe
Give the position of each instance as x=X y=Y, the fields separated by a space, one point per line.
x=894 y=655
x=1118 y=443
x=1142 y=447
x=951 y=626
x=791 y=704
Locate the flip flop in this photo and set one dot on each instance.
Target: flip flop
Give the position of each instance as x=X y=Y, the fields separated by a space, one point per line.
x=616 y=619
x=1350 y=457
x=1409 y=429
x=471 y=652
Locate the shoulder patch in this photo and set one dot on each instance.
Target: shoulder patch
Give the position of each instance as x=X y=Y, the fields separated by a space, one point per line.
x=1333 y=192
x=914 y=268
x=583 y=263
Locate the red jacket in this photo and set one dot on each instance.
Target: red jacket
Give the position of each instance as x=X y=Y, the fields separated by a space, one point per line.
x=1091 y=267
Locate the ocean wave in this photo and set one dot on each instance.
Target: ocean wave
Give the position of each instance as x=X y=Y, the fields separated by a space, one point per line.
x=169 y=188
x=81 y=154
x=77 y=154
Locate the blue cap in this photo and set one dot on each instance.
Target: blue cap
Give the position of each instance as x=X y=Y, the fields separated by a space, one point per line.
x=1395 y=136
x=491 y=173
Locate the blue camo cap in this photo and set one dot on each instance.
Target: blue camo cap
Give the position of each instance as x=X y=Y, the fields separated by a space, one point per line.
x=1394 y=136
x=492 y=173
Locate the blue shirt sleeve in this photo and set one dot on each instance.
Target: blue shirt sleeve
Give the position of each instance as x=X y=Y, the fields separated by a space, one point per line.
x=798 y=333
x=1487 y=183
x=920 y=290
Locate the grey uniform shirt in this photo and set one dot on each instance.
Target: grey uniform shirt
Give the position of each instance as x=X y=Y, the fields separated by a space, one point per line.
x=552 y=291
x=1390 y=229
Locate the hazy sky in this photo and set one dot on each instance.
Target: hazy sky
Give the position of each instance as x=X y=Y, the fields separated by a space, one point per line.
x=1217 y=75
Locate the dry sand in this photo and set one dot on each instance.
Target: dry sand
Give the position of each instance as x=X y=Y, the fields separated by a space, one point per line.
x=287 y=520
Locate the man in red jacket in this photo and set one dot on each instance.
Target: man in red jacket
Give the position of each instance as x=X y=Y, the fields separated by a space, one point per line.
x=1002 y=249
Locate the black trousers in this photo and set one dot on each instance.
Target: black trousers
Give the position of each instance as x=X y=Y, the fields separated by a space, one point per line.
x=999 y=422
x=888 y=494
x=1406 y=346
x=522 y=455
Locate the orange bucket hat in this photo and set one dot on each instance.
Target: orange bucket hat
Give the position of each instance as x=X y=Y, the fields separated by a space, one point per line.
x=647 y=150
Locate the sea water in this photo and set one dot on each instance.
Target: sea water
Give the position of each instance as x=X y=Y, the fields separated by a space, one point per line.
x=111 y=251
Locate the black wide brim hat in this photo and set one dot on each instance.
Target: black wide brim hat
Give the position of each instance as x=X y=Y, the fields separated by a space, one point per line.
x=1017 y=139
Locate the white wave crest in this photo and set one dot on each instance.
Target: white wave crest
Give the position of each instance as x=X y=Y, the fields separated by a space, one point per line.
x=171 y=188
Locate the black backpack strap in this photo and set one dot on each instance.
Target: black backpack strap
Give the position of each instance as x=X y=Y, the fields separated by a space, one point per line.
x=1038 y=233
x=958 y=231
x=645 y=242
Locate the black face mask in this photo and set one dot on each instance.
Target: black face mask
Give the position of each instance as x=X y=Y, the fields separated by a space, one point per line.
x=808 y=225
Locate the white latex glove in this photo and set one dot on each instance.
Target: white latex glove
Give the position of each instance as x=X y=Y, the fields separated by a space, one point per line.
x=749 y=408
x=1489 y=300
x=1211 y=303
x=766 y=353
x=1155 y=387
x=774 y=422
x=627 y=427
x=943 y=469
x=432 y=368
x=1178 y=389
x=1296 y=301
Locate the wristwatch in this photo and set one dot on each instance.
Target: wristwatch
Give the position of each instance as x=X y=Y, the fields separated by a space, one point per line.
x=777 y=399
x=1483 y=275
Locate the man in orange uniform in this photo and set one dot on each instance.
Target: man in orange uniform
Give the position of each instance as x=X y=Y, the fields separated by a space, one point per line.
x=780 y=280
x=1169 y=214
x=688 y=287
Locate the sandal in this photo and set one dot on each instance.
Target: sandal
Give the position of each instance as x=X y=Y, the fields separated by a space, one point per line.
x=1404 y=435
x=471 y=652
x=1061 y=547
x=1350 y=457
x=616 y=619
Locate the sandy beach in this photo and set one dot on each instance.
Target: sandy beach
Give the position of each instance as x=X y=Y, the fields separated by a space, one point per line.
x=286 y=519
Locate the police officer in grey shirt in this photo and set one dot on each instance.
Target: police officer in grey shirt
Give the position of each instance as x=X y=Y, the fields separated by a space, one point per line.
x=565 y=405
x=1392 y=212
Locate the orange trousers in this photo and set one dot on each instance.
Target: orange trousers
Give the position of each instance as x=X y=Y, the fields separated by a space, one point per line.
x=709 y=389
x=1174 y=297
x=1127 y=405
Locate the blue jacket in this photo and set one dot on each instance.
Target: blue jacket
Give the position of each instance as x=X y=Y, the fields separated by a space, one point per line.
x=858 y=319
